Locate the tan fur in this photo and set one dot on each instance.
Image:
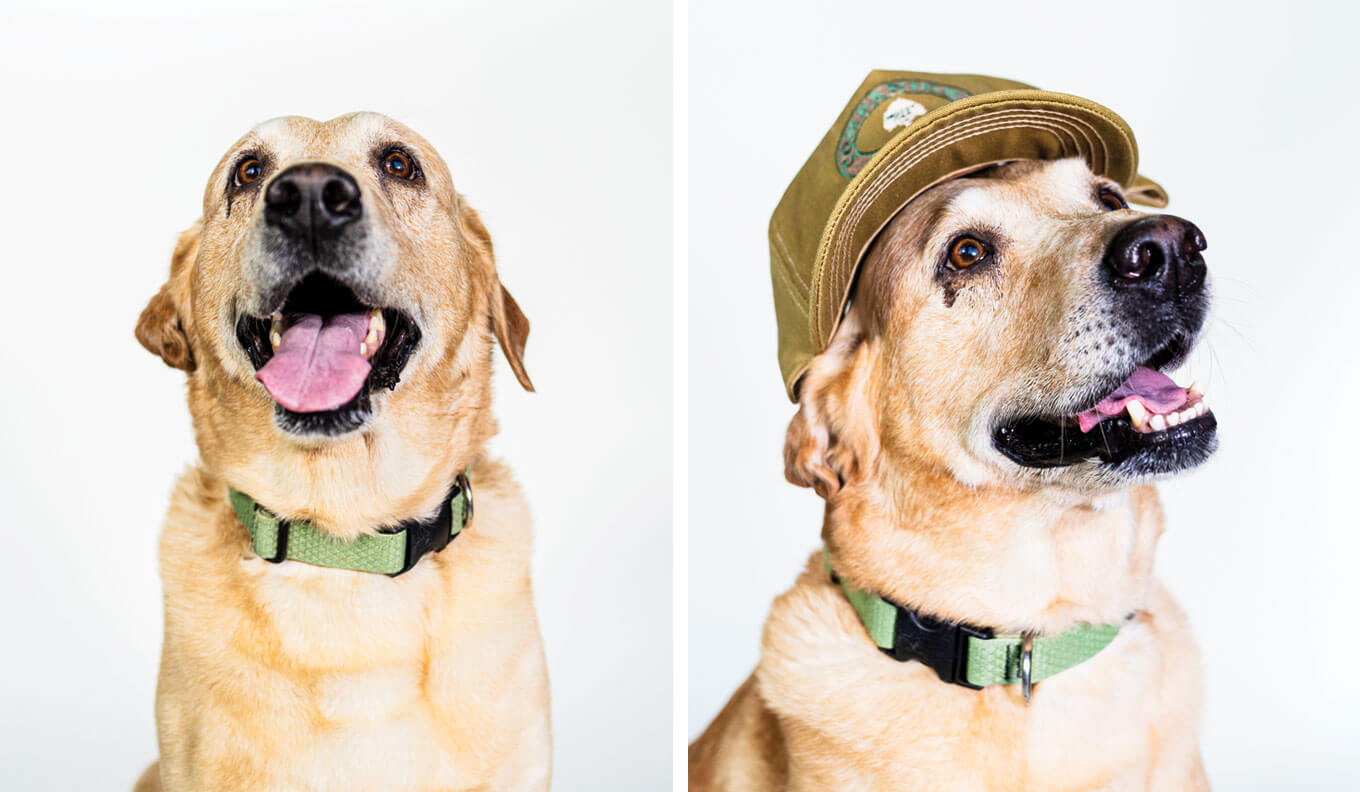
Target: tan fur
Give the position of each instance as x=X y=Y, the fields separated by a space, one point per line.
x=291 y=676
x=920 y=509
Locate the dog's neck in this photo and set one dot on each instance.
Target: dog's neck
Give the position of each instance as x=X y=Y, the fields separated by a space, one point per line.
x=1036 y=561
x=382 y=480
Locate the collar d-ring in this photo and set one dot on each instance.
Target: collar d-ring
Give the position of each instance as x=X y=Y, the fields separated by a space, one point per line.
x=1027 y=666
x=463 y=485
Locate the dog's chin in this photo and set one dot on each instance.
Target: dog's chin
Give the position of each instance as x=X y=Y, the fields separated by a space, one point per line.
x=394 y=335
x=349 y=417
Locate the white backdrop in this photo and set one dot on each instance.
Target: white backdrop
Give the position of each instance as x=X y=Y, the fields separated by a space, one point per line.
x=1245 y=112
x=555 y=121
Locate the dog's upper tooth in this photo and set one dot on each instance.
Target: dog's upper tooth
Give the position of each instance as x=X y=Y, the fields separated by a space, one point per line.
x=376 y=321
x=1138 y=414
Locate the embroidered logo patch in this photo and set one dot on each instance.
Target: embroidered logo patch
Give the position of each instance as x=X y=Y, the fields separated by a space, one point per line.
x=900 y=112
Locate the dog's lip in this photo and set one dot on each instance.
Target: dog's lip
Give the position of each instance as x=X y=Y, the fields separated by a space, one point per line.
x=1035 y=443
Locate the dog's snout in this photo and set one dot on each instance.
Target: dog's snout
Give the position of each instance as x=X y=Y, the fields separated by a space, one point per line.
x=1160 y=253
x=312 y=200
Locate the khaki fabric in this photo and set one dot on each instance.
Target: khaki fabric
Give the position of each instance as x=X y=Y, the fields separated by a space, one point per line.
x=900 y=134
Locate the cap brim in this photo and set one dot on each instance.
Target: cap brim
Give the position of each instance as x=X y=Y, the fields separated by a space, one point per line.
x=952 y=140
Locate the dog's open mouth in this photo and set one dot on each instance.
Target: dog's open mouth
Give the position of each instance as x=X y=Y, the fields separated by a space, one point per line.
x=1147 y=425
x=323 y=352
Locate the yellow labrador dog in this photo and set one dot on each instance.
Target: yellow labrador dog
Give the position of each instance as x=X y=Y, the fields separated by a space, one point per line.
x=335 y=310
x=983 y=428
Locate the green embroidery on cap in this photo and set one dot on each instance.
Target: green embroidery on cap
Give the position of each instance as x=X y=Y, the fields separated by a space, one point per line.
x=849 y=159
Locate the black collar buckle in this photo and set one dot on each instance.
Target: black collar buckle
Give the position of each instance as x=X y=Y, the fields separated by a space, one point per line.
x=940 y=644
x=433 y=536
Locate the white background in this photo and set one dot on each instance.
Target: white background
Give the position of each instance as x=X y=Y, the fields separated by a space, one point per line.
x=1247 y=114
x=555 y=121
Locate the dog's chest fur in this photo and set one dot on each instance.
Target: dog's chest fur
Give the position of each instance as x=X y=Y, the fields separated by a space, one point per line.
x=295 y=676
x=1093 y=727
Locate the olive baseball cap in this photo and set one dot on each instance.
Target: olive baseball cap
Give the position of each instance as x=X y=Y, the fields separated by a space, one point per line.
x=900 y=134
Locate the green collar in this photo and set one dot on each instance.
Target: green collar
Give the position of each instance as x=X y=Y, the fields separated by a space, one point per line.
x=391 y=551
x=974 y=657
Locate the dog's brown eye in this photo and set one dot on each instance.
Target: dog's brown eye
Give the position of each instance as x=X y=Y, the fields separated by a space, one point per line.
x=966 y=252
x=399 y=165
x=249 y=171
x=1110 y=201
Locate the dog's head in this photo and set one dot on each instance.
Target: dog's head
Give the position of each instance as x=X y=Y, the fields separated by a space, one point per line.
x=1012 y=328
x=338 y=294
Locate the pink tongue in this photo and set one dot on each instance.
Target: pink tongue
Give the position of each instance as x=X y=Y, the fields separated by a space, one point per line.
x=1158 y=393
x=317 y=365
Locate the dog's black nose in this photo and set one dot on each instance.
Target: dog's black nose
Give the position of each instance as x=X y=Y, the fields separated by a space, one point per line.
x=312 y=200
x=1159 y=254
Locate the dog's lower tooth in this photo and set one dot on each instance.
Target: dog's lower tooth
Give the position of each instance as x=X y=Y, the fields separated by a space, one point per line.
x=363 y=349
x=1173 y=419
x=1158 y=423
x=1194 y=390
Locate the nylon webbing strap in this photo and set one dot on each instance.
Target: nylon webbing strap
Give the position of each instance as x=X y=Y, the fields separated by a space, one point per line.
x=385 y=553
x=996 y=661
x=967 y=655
x=879 y=615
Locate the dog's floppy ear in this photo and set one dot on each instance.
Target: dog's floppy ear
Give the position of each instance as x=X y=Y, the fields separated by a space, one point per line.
x=160 y=328
x=512 y=330
x=508 y=321
x=828 y=438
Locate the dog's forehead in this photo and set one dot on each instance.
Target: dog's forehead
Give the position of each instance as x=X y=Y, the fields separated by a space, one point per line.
x=1031 y=186
x=295 y=137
